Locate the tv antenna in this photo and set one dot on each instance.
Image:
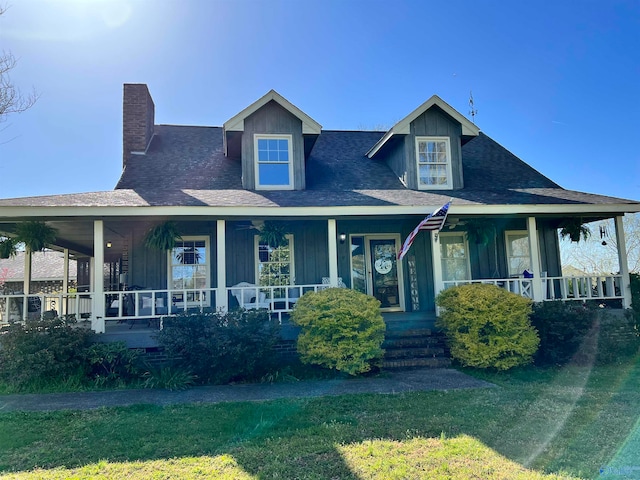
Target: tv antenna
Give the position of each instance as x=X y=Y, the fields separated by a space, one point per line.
x=472 y=110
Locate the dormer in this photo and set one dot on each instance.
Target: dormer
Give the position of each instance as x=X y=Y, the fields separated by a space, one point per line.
x=272 y=137
x=425 y=148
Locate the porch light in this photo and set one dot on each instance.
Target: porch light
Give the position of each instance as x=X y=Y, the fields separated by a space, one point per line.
x=343 y=237
x=108 y=244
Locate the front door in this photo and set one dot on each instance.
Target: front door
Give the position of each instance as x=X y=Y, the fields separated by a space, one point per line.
x=375 y=269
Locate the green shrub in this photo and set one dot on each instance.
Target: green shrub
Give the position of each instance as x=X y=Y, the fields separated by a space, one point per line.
x=221 y=347
x=341 y=329
x=112 y=363
x=487 y=327
x=562 y=327
x=42 y=352
x=169 y=377
x=618 y=338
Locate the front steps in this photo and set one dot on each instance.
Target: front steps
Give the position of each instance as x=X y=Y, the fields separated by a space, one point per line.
x=419 y=347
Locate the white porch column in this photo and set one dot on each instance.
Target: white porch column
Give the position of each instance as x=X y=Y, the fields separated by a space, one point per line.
x=97 y=318
x=438 y=282
x=65 y=282
x=623 y=262
x=333 y=251
x=26 y=286
x=534 y=249
x=221 y=262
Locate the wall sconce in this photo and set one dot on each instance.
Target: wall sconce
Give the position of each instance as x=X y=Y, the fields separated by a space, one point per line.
x=343 y=237
x=108 y=244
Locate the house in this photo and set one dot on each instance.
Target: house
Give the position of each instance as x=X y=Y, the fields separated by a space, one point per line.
x=343 y=201
x=48 y=276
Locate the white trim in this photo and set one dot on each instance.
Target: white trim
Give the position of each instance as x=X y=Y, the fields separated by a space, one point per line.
x=257 y=163
x=10 y=213
x=465 y=240
x=256 y=256
x=332 y=237
x=426 y=138
x=623 y=262
x=236 y=123
x=208 y=264
x=403 y=127
x=97 y=274
x=534 y=251
x=221 y=267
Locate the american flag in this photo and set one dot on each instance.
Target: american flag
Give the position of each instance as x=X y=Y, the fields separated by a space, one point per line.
x=435 y=221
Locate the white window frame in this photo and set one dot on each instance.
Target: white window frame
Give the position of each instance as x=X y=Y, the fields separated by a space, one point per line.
x=466 y=249
x=207 y=246
x=508 y=256
x=257 y=163
x=292 y=279
x=449 y=184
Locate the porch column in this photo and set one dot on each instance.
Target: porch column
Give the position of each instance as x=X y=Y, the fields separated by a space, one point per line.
x=438 y=282
x=65 y=283
x=623 y=262
x=98 y=307
x=221 y=262
x=26 y=286
x=333 y=251
x=534 y=249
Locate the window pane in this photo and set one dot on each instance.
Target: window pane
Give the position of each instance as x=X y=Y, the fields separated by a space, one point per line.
x=453 y=250
x=262 y=144
x=283 y=145
x=273 y=144
x=274 y=174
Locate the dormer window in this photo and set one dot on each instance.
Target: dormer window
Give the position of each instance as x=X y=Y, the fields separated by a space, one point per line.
x=273 y=162
x=433 y=155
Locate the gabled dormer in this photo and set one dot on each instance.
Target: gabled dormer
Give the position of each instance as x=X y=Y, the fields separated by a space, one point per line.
x=425 y=148
x=271 y=137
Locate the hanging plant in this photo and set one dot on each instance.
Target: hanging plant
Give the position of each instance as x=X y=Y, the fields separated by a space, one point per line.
x=480 y=232
x=273 y=234
x=575 y=230
x=8 y=247
x=163 y=236
x=36 y=236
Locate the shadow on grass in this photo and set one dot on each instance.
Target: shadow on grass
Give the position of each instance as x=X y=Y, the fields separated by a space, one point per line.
x=589 y=414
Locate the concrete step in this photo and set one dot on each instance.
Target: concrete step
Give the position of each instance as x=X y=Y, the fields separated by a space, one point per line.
x=437 y=362
x=407 y=342
x=414 y=332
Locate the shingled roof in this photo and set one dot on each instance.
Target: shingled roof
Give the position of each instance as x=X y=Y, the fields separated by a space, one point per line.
x=186 y=166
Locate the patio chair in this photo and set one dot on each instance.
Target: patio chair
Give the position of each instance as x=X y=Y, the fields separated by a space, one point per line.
x=245 y=294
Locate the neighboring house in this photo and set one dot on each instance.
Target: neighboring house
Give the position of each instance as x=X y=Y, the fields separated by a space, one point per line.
x=345 y=199
x=47 y=278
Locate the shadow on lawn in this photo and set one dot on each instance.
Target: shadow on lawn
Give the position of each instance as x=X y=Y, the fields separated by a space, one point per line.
x=573 y=421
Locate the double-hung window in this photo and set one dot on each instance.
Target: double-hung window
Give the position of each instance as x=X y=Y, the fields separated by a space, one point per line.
x=433 y=155
x=274 y=265
x=274 y=162
x=454 y=255
x=189 y=269
x=518 y=254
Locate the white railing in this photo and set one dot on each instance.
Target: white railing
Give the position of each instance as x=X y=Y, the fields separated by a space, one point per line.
x=588 y=287
x=278 y=300
x=14 y=306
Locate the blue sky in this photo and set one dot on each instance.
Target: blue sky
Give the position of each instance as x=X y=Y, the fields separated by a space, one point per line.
x=555 y=82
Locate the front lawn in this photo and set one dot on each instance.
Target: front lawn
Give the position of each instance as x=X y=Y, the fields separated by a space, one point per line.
x=548 y=423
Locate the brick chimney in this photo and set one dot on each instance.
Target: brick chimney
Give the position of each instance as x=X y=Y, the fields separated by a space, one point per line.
x=138 y=115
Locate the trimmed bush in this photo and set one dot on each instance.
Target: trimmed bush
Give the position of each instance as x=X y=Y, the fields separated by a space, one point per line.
x=41 y=352
x=487 y=327
x=221 y=347
x=341 y=329
x=618 y=336
x=562 y=327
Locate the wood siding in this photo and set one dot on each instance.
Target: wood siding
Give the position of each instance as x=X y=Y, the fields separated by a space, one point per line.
x=434 y=122
x=272 y=119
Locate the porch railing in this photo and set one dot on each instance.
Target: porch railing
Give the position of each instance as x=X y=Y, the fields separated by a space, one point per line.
x=147 y=304
x=566 y=288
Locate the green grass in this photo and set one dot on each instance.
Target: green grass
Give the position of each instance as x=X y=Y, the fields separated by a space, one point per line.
x=554 y=423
